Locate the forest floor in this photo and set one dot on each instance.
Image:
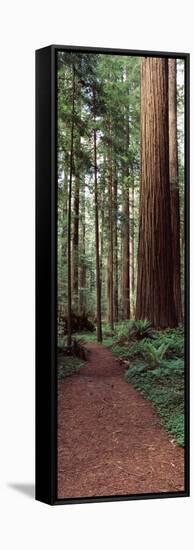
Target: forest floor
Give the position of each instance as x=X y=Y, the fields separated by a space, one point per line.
x=110 y=439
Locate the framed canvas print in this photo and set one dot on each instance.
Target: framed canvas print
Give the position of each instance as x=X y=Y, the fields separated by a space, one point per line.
x=112 y=274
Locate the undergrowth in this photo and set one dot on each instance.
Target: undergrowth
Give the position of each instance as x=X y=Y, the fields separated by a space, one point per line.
x=70 y=358
x=68 y=366
x=164 y=386
x=157 y=369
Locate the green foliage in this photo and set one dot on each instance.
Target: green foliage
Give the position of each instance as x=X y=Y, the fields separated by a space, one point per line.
x=156 y=368
x=121 y=337
x=127 y=332
x=140 y=329
x=86 y=337
x=175 y=425
x=173 y=339
x=70 y=358
x=116 y=80
x=137 y=349
x=165 y=388
x=154 y=355
x=68 y=366
x=159 y=374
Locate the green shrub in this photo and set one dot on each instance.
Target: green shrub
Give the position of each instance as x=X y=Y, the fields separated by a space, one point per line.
x=131 y=331
x=140 y=329
x=164 y=386
x=156 y=368
x=174 y=338
x=154 y=355
x=175 y=425
x=66 y=366
x=173 y=367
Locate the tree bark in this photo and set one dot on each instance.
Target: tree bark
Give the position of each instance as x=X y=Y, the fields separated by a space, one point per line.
x=125 y=230
x=125 y=222
x=98 y=282
x=75 y=238
x=102 y=220
x=174 y=186
x=82 y=299
x=132 y=247
x=110 y=248
x=115 y=239
x=155 y=300
x=69 y=208
x=125 y=261
x=65 y=209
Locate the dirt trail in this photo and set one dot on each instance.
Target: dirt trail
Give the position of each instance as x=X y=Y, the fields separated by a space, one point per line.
x=110 y=440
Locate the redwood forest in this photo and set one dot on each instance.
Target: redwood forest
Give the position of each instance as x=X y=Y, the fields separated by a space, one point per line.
x=120 y=274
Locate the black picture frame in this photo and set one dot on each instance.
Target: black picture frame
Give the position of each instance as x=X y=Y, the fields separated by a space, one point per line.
x=46 y=274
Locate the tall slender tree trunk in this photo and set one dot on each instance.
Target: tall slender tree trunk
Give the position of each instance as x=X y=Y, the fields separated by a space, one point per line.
x=125 y=223
x=125 y=229
x=102 y=244
x=155 y=299
x=110 y=248
x=69 y=208
x=125 y=261
x=174 y=186
x=82 y=299
x=63 y=256
x=115 y=240
x=75 y=237
x=132 y=247
x=98 y=282
x=65 y=211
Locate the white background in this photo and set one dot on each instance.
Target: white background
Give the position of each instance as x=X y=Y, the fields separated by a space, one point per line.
x=25 y=26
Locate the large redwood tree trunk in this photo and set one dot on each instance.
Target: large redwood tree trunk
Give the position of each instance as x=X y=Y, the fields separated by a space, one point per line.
x=174 y=186
x=155 y=299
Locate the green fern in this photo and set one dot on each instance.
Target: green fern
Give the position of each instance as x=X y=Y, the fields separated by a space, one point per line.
x=140 y=329
x=154 y=355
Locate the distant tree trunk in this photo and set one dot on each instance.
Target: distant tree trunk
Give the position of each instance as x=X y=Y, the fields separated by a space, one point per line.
x=64 y=244
x=62 y=250
x=75 y=237
x=155 y=299
x=125 y=229
x=115 y=240
x=69 y=208
x=174 y=186
x=98 y=282
x=120 y=271
x=125 y=222
x=132 y=251
x=125 y=262
x=110 y=247
x=102 y=244
x=82 y=303
x=65 y=212
x=101 y=236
